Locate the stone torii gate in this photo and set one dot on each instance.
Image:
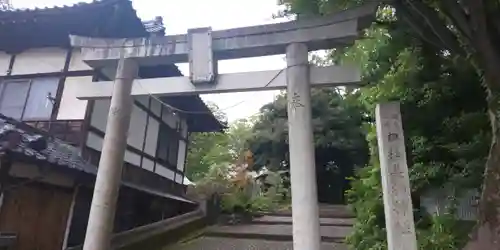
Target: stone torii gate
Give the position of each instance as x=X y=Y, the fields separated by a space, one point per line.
x=202 y=48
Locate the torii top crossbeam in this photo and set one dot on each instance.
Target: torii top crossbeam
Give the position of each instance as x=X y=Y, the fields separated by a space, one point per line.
x=328 y=32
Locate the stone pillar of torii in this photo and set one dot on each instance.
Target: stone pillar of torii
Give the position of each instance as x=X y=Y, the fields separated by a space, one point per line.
x=202 y=48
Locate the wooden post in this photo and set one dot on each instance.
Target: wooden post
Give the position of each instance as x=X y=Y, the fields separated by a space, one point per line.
x=395 y=180
x=69 y=220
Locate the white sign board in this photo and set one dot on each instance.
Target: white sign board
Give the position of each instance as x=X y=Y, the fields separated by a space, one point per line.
x=202 y=66
x=395 y=180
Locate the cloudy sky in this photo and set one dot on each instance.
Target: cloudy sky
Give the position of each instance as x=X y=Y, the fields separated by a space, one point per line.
x=179 y=15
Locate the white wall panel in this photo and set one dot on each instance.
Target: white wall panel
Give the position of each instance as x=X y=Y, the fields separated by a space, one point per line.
x=184 y=126
x=148 y=164
x=76 y=62
x=100 y=112
x=94 y=141
x=179 y=178
x=181 y=157
x=169 y=118
x=137 y=128
x=165 y=172
x=132 y=158
x=110 y=72
x=143 y=99
x=152 y=137
x=72 y=108
x=4 y=63
x=156 y=107
x=43 y=60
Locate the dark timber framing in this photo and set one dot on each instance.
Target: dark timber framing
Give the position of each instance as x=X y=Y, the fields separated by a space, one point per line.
x=159 y=118
x=60 y=85
x=145 y=134
x=87 y=119
x=74 y=73
x=65 y=73
x=11 y=64
x=140 y=152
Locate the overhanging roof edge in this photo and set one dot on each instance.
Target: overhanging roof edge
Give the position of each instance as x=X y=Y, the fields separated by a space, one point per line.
x=343 y=16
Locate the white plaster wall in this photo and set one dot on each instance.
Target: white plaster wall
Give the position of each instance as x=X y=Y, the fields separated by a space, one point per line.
x=137 y=122
x=165 y=172
x=110 y=72
x=94 y=141
x=99 y=116
x=132 y=158
x=179 y=178
x=43 y=60
x=76 y=62
x=156 y=107
x=137 y=128
x=71 y=108
x=169 y=118
x=148 y=164
x=152 y=137
x=184 y=128
x=181 y=157
x=137 y=136
x=4 y=63
x=144 y=100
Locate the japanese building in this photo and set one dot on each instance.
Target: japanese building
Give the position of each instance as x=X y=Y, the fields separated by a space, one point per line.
x=40 y=75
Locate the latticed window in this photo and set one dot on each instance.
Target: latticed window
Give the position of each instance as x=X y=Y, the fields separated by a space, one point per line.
x=30 y=99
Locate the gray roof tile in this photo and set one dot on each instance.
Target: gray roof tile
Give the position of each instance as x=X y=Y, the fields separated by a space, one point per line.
x=37 y=145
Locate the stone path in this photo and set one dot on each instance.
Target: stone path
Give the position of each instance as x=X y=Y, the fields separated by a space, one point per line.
x=211 y=243
x=272 y=232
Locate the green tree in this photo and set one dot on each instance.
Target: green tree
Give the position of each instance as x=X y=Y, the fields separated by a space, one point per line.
x=446 y=130
x=339 y=139
x=465 y=30
x=207 y=149
x=217 y=148
x=239 y=134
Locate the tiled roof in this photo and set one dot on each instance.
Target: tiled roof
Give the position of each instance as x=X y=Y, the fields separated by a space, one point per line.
x=151 y=26
x=33 y=145
x=104 y=18
x=155 y=26
x=36 y=145
x=55 y=9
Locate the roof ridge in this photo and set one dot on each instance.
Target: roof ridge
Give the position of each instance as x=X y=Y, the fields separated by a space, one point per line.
x=63 y=7
x=39 y=145
x=24 y=126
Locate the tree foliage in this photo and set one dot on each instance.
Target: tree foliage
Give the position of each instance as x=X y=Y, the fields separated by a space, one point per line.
x=446 y=130
x=339 y=139
x=468 y=31
x=214 y=148
x=444 y=113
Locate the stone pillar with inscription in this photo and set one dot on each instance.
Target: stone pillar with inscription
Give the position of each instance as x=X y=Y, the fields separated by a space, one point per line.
x=305 y=214
x=395 y=180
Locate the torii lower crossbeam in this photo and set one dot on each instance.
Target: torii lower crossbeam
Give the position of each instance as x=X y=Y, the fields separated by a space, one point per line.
x=235 y=82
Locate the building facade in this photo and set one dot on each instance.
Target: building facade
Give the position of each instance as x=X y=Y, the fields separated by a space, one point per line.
x=40 y=75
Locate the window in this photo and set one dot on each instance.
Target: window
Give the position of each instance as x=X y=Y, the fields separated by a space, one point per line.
x=13 y=98
x=168 y=146
x=28 y=99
